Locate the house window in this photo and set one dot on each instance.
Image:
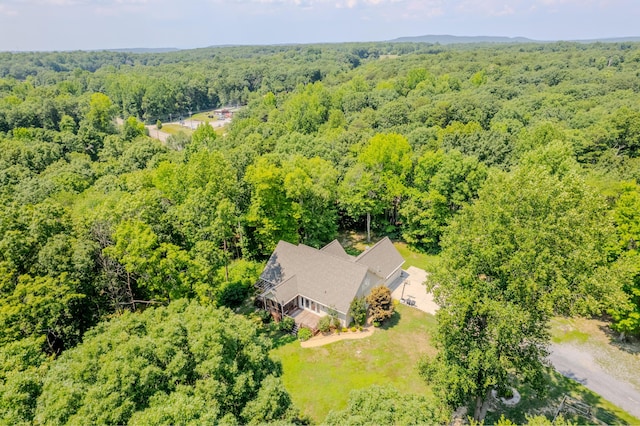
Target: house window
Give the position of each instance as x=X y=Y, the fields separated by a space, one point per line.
x=306 y=303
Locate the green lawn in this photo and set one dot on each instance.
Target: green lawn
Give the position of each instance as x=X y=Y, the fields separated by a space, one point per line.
x=203 y=116
x=412 y=258
x=559 y=386
x=355 y=243
x=320 y=379
x=173 y=129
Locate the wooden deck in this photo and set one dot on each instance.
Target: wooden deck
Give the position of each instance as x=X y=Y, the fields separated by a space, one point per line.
x=306 y=318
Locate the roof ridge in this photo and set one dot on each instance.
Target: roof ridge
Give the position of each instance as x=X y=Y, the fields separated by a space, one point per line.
x=368 y=250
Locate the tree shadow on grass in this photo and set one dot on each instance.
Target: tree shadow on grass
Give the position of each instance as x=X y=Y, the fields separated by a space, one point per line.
x=279 y=339
x=533 y=404
x=630 y=344
x=391 y=322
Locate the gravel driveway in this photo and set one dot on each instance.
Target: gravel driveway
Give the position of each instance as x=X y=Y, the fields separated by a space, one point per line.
x=578 y=364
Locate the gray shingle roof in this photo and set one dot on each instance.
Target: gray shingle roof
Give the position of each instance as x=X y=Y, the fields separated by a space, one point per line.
x=336 y=249
x=382 y=259
x=329 y=276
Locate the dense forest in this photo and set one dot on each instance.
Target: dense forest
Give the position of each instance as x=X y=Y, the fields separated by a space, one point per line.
x=120 y=256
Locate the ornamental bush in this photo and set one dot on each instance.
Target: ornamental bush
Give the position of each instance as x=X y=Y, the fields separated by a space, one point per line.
x=287 y=324
x=380 y=304
x=358 y=310
x=324 y=325
x=304 y=334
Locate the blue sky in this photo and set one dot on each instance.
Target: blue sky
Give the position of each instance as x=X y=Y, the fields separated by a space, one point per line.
x=103 y=24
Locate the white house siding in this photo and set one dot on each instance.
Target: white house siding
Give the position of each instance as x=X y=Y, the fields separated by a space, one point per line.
x=394 y=275
x=345 y=319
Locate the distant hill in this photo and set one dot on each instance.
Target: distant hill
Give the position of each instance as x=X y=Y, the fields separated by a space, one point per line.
x=610 y=40
x=451 y=39
x=144 y=50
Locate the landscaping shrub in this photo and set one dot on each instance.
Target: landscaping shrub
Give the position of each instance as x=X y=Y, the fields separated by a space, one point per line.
x=287 y=324
x=380 y=304
x=324 y=325
x=304 y=334
x=265 y=316
x=358 y=310
x=335 y=321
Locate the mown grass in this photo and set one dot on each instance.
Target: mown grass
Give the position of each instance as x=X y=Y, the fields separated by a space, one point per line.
x=559 y=386
x=564 y=331
x=428 y=262
x=355 y=243
x=320 y=379
x=174 y=129
x=203 y=116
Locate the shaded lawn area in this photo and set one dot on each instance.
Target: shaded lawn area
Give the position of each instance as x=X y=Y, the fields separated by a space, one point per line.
x=355 y=243
x=559 y=386
x=320 y=379
x=428 y=262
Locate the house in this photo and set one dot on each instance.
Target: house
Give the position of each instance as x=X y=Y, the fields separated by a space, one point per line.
x=306 y=283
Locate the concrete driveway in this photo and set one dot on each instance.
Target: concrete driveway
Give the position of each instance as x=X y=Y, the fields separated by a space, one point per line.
x=411 y=286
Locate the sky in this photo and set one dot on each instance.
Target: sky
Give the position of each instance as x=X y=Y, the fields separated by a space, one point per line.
x=109 y=24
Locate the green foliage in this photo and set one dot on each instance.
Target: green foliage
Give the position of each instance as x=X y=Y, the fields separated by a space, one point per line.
x=294 y=201
x=385 y=406
x=376 y=182
x=358 y=311
x=287 y=324
x=181 y=364
x=324 y=325
x=93 y=220
x=203 y=137
x=101 y=113
x=444 y=183
x=627 y=219
x=22 y=367
x=533 y=245
x=132 y=128
x=380 y=304
x=242 y=276
x=164 y=269
x=42 y=307
x=304 y=334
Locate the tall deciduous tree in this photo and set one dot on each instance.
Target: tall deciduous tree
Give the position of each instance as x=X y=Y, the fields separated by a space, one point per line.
x=534 y=244
x=443 y=184
x=627 y=219
x=377 y=181
x=183 y=364
x=269 y=215
x=386 y=406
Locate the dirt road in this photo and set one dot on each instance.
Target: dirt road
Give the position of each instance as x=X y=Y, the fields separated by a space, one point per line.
x=579 y=364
